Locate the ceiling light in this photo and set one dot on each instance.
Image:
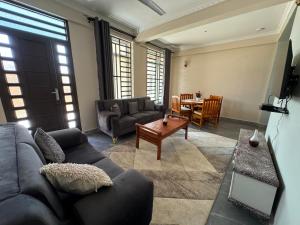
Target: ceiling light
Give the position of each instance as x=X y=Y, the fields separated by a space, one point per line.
x=260 y=29
x=152 y=5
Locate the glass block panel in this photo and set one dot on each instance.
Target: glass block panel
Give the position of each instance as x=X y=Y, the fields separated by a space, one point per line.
x=26 y=28
x=15 y=90
x=25 y=123
x=21 y=113
x=64 y=69
x=18 y=102
x=69 y=107
x=12 y=78
x=65 y=79
x=5 y=52
x=72 y=124
x=61 y=49
x=8 y=65
x=62 y=59
x=68 y=98
x=71 y=116
x=30 y=13
x=67 y=89
x=4 y=39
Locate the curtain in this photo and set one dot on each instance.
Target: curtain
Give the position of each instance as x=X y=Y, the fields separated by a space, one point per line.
x=104 y=59
x=167 y=77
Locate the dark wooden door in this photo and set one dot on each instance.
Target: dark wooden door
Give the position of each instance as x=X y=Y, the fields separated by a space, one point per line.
x=45 y=96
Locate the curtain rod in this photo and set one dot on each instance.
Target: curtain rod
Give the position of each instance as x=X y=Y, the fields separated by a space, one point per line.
x=92 y=19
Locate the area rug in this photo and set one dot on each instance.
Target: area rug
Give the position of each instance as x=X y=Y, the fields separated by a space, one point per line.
x=186 y=179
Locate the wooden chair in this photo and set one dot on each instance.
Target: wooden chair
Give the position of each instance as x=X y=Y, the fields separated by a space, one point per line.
x=220 y=98
x=179 y=109
x=209 y=111
x=186 y=96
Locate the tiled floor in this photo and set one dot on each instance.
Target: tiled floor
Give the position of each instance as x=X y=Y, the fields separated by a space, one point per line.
x=223 y=212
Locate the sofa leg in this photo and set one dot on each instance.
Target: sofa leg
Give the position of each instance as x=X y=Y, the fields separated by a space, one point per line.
x=114 y=140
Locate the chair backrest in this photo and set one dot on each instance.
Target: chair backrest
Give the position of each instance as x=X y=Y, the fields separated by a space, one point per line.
x=186 y=96
x=175 y=103
x=210 y=108
x=220 y=98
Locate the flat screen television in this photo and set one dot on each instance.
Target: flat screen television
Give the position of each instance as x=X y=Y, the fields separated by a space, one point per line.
x=287 y=81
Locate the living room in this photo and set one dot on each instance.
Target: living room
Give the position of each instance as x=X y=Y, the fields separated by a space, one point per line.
x=163 y=104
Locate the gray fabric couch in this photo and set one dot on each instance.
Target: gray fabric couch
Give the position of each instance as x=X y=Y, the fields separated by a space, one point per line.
x=114 y=126
x=27 y=198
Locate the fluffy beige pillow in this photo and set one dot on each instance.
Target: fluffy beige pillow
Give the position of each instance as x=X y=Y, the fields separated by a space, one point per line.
x=76 y=178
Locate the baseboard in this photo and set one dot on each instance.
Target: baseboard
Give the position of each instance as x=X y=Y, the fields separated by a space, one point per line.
x=91 y=131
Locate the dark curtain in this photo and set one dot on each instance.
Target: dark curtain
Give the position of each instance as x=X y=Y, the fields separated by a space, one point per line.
x=104 y=59
x=167 y=77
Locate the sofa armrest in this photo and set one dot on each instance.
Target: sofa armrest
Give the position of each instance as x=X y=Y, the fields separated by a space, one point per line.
x=159 y=107
x=128 y=202
x=67 y=138
x=104 y=119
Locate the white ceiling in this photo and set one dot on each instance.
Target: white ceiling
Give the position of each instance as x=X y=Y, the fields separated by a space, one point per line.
x=244 y=26
x=234 y=28
x=139 y=16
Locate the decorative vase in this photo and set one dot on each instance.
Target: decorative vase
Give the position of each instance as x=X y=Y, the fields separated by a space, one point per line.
x=253 y=141
x=165 y=120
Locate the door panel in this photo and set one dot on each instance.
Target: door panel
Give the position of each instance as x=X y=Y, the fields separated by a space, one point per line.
x=38 y=74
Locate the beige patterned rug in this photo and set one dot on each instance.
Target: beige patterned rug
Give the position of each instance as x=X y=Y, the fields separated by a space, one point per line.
x=186 y=179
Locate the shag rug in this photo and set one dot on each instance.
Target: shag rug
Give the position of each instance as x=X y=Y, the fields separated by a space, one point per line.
x=186 y=179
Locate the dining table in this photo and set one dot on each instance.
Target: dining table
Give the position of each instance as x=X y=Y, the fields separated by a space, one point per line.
x=192 y=103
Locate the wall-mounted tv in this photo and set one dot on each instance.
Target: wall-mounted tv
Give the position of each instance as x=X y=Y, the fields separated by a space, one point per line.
x=289 y=79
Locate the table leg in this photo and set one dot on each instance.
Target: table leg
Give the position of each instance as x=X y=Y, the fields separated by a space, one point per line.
x=158 y=150
x=137 y=140
x=186 y=132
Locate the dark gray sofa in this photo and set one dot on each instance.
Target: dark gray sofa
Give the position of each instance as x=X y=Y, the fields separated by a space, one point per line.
x=27 y=198
x=111 y=124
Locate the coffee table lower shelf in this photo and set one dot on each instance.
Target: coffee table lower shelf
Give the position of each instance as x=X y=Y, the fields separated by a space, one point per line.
x=155 y=132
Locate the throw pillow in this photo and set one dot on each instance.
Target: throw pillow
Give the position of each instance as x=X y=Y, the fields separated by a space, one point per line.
x=76 y=178
x=133 y=108
x=50 y=148
x=116 y=108
x=149 y=105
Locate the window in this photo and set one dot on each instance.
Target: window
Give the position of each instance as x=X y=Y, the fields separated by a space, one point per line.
x=122 y=76
x=12 y=81
x=155 y=74
x=17 y=17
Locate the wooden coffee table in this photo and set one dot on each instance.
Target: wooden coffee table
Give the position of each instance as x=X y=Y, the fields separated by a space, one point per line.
x=155 y=132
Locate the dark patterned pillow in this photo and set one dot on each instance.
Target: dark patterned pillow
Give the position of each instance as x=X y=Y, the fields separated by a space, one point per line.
x=149 y=105
x=116 y=108
x=50 y=148
x=133 y=108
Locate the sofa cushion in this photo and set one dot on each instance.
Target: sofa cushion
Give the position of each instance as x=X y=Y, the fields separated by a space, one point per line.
x=83 y=154
x=142 y=117
x=116 y=109
x=127 y=121
x=149 y=105
x=154 y=115
x=50 y=148
x=107 y=104
x=109 y=167
x=133 y=107
x=76 y=178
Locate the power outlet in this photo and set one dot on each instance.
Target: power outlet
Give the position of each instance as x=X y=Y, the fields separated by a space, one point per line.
x=298 y=2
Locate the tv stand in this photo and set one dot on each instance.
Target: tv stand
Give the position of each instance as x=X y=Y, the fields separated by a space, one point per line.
x=254 y=179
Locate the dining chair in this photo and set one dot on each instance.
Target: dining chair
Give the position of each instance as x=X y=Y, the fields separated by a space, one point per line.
x=186 y=96
x=220 y=98
x=209 y=111
x=178 y=108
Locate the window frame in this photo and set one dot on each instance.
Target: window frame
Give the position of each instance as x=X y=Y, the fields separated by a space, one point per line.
x=155 y=74
x=119 y=77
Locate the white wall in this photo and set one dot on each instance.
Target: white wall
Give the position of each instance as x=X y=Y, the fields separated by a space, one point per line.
x=284 y=133
x=239 y=74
